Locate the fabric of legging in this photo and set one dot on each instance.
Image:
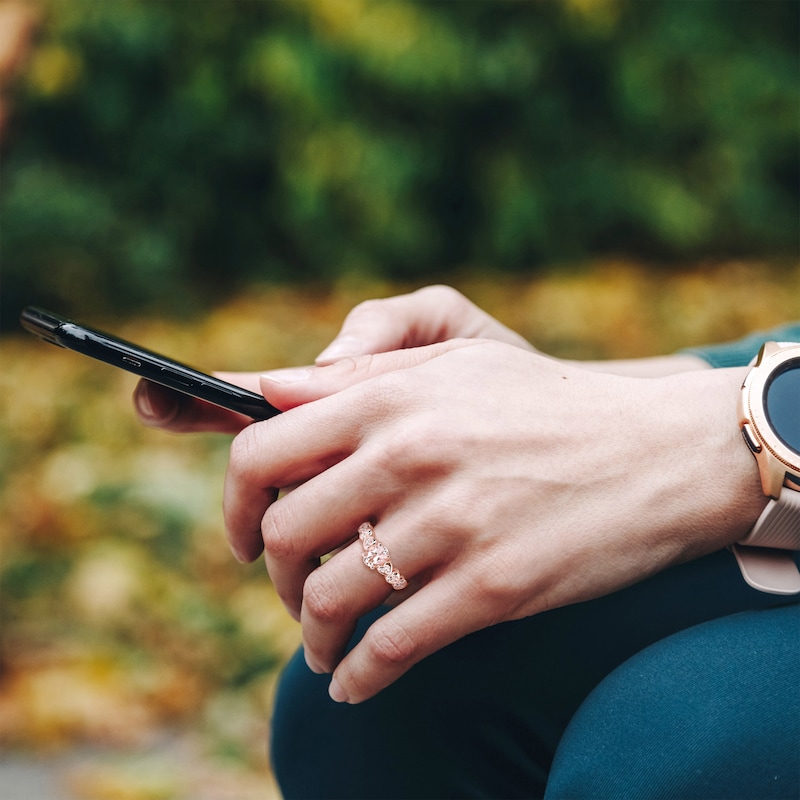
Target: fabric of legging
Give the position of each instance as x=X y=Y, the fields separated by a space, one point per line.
x=686 y=685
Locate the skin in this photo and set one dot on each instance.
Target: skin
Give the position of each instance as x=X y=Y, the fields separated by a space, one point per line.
x=503 y=482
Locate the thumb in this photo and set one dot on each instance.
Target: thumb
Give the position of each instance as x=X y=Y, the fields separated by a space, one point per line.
x=378 y=326
x=426 y=316
x=287 y=388
x=429 y=315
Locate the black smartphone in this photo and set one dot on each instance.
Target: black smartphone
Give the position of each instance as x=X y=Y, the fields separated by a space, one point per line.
x=144 y=363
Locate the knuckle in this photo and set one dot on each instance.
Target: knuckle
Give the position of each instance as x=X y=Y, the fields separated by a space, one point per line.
x=415 y=451
x=353 y=365
x=276 y=531
x=391 y=644
x=446 y=295
x=322 y=598
x=243 y=454
x=396 y=456
x=386 y=395
x=491 y=583
x=366 y=309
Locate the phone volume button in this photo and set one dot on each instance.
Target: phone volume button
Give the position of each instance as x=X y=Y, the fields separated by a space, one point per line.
x=225 y=390
x=131 y=361
x=177 y=380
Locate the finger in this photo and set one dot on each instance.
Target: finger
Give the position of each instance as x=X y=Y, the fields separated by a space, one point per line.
x=427 y=621
x=335 y=596
x=377 y=326
x=285 y=451
x=345 y=588
x=315 y=519
x=160 y=407
x=293 y=387
x=430 y=315
x=305 y=442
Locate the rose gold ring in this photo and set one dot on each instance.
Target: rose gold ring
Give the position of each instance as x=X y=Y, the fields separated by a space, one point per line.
x=376 y=556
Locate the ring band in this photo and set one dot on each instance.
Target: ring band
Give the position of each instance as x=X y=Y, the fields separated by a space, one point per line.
x=376 y=556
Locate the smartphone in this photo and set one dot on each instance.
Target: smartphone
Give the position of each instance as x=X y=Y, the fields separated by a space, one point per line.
x=144 y=363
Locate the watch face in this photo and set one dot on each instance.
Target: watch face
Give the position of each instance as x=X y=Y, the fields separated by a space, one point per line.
x=782 y=404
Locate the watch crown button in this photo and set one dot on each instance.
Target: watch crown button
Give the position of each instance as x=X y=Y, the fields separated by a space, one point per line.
x=750 y=440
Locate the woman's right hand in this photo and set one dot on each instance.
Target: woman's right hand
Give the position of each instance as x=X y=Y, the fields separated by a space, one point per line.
x=428 y=316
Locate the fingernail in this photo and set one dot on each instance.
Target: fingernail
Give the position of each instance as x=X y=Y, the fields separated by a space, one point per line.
x=342 y=347
x=154 y=405
x=285 y=376
x=143 y=404
x=337 y=694
x=311 y=664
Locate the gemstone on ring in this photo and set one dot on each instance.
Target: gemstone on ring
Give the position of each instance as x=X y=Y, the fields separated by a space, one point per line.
x=376 y=556
x=396 y=581
x=365 y=529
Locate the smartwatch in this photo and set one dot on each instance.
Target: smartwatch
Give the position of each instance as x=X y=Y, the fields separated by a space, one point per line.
x=769 y=419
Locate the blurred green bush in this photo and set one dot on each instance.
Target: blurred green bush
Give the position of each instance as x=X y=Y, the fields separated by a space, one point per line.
x=165 y=153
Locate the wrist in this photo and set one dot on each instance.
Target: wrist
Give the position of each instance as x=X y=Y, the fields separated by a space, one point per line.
x=718 y=478
x=746 y=498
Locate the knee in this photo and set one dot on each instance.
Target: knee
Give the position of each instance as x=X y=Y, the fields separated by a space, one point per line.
x=701 y=714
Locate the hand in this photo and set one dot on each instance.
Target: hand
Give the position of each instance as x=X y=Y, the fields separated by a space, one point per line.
x=503 y=484
x=430 y=315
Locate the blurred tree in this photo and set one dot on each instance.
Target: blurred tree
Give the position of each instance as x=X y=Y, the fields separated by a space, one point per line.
x=165 y=153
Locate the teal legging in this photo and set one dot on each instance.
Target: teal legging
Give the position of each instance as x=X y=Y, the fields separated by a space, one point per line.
x=686 y=685
x=711 y=712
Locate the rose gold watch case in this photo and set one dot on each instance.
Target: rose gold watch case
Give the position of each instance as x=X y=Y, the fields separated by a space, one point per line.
x=777 y=463
x=764 y=555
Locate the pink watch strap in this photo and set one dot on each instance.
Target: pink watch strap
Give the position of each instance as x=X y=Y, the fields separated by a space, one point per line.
x=764 y=555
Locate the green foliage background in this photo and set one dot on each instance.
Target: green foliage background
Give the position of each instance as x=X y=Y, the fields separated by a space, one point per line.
x=165 y=156
x=165 y=153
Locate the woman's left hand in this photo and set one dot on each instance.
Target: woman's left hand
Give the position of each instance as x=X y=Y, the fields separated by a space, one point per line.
x=503 y=483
